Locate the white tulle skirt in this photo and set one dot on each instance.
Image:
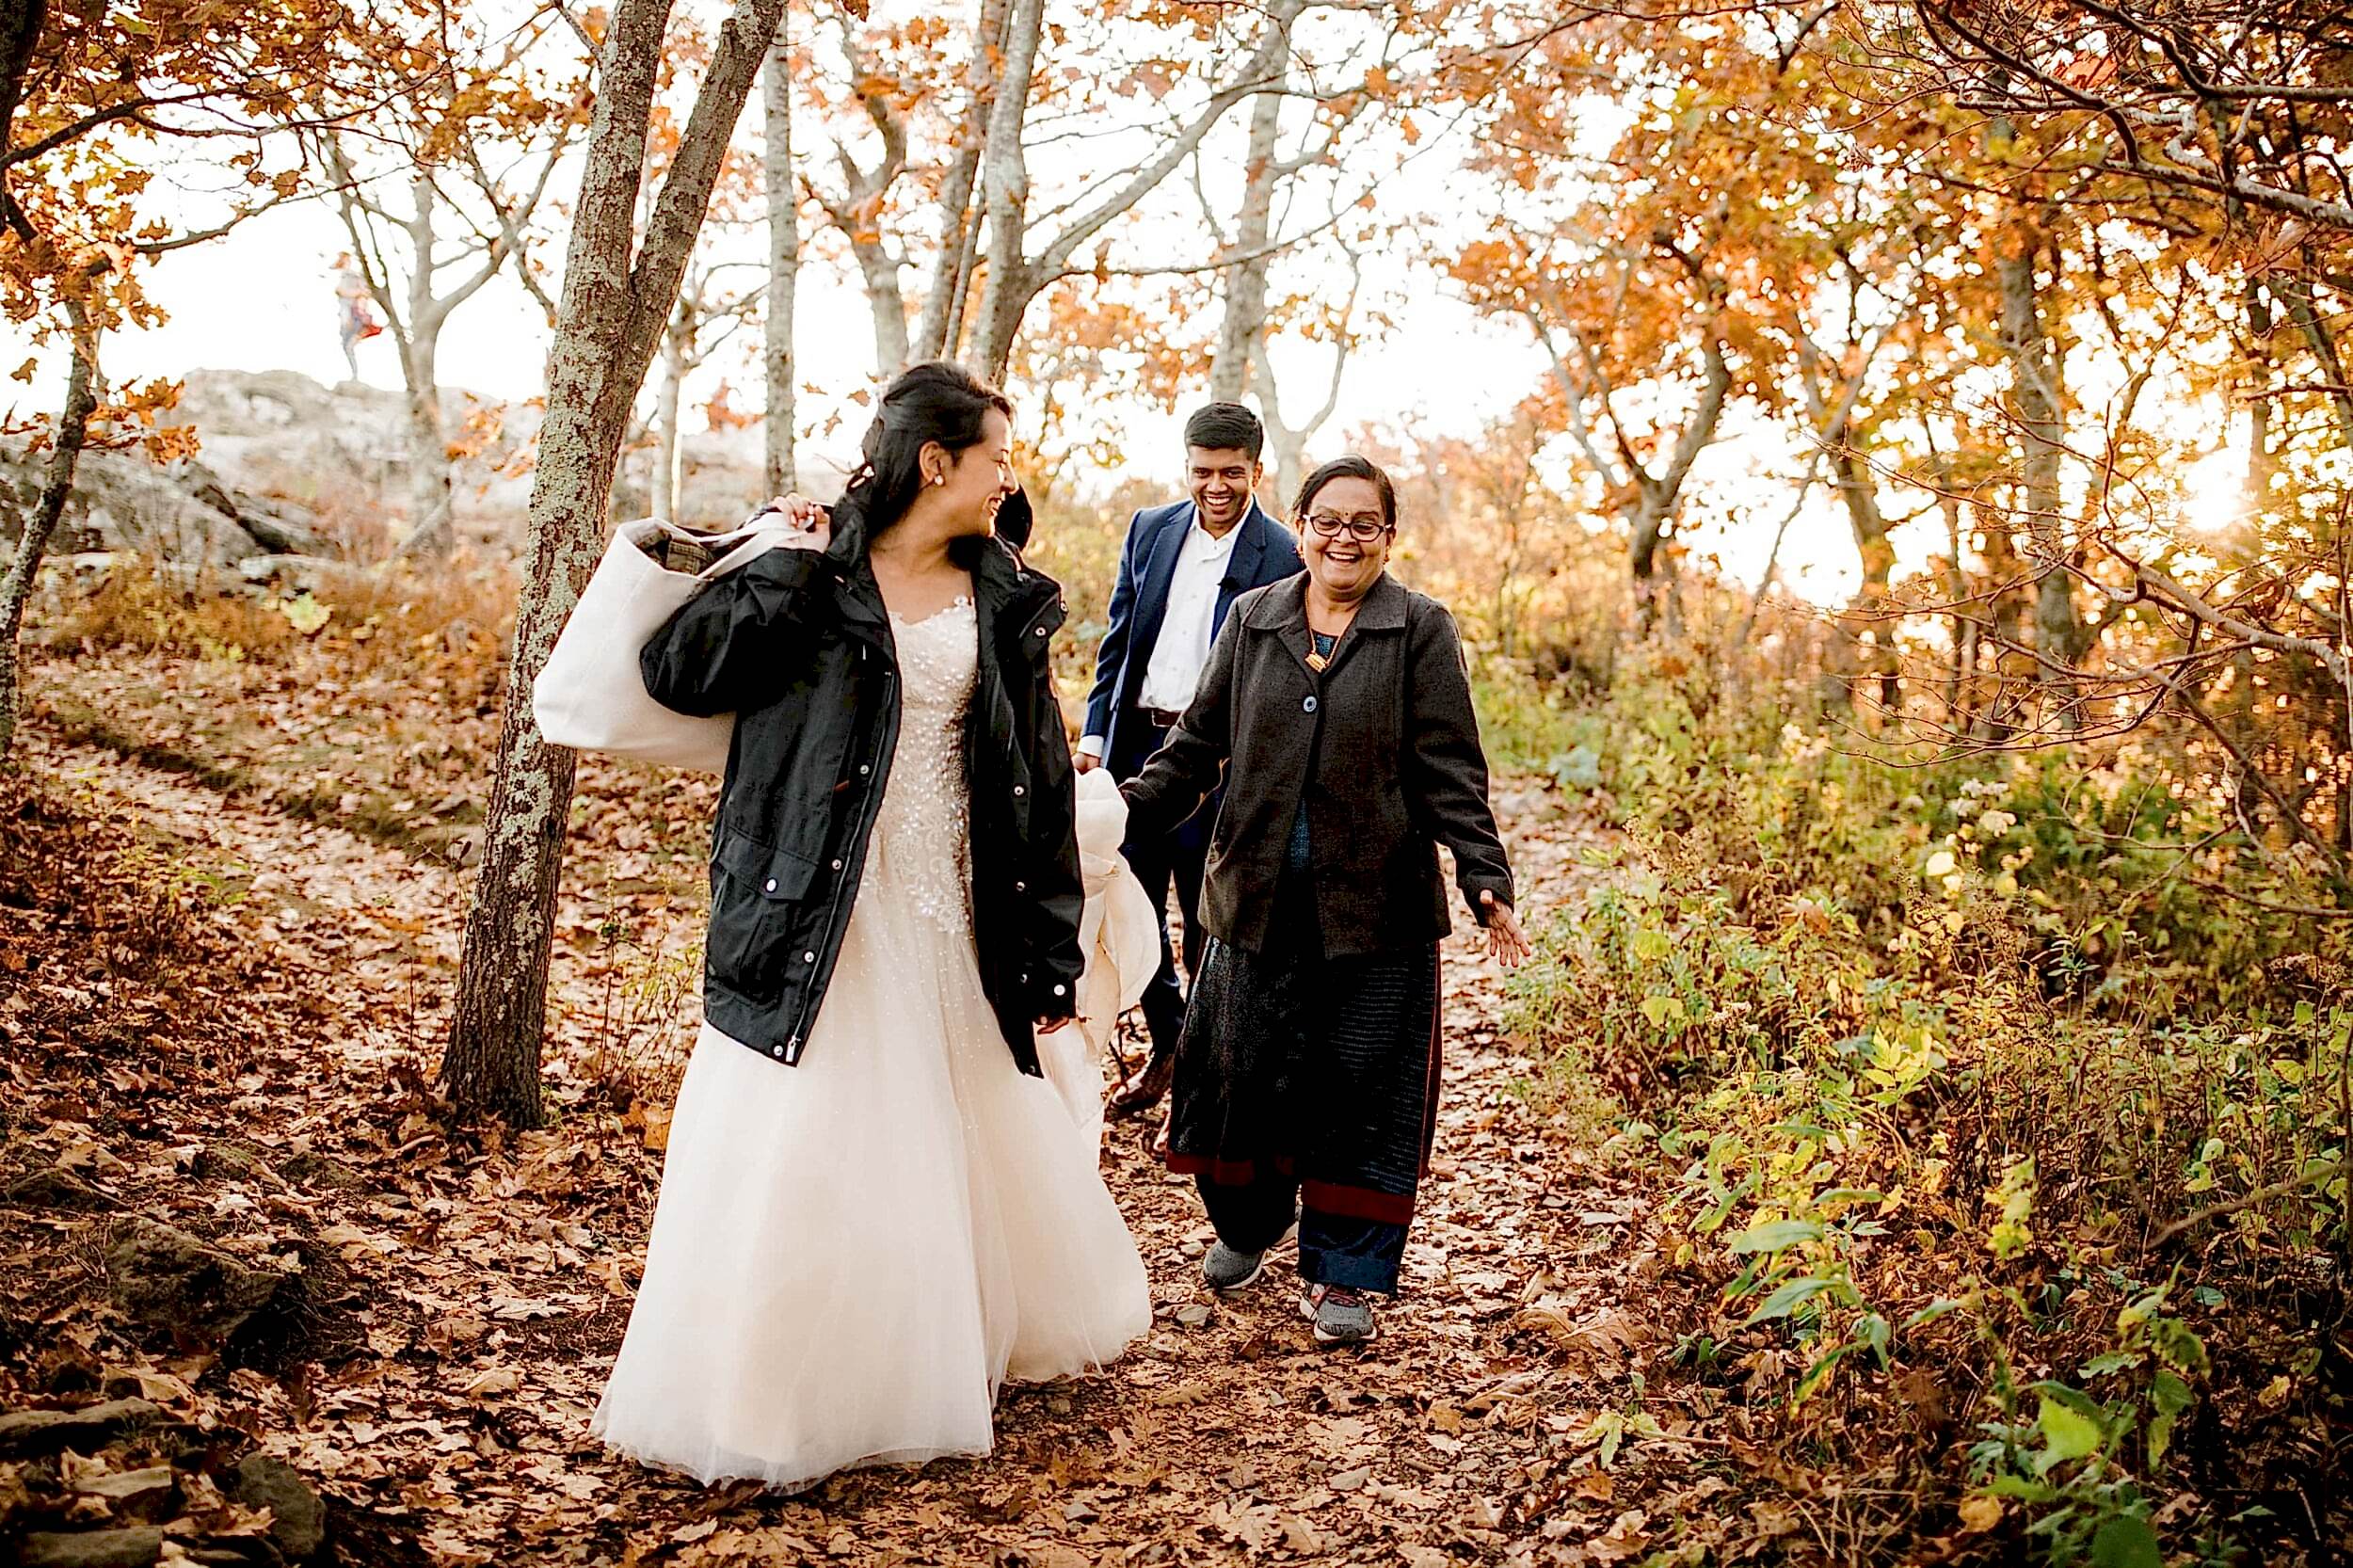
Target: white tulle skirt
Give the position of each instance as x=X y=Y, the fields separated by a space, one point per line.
x=851 y=1255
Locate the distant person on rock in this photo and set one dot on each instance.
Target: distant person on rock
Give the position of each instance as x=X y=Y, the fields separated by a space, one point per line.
x=1337 y=708
x=1179 y=571
x=356 y=321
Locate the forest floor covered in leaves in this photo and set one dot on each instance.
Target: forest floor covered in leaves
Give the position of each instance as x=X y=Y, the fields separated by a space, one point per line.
x=222 y=1017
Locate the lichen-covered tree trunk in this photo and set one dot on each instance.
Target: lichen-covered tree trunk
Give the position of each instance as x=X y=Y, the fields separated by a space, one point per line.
x=609 y=321
x=41 y=524
x=779 y=427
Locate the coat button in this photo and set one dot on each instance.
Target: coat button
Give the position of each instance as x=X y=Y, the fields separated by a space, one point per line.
x=1019 y=791
x=1059 y=990
x=863 y=769
x=777 y=1052
x=769 y=885
x=1021 y=886
x=837 y=865
x=1307 y=703
x=808 y=958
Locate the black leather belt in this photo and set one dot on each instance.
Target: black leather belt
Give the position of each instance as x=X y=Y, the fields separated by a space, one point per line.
x=1160 y=718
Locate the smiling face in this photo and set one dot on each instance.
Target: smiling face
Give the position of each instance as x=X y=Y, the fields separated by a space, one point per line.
x=1221 y=481
x=1343 y=566
x=978 y=478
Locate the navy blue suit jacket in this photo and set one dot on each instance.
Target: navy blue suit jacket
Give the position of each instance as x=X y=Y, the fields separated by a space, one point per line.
x=1266 y=551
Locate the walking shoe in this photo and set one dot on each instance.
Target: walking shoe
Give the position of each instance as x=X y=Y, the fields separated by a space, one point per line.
x=1341 y=1316
x=1225 y=1269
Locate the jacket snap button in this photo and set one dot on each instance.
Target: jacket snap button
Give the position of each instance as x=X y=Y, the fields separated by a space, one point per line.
x=808 y=958
x=769 y=885
x=776 y=1050
x=1021 y=886
x=1019 y=791
x=1061 y=990
x=863 y=769
x=1307 y=703
x=837 y=865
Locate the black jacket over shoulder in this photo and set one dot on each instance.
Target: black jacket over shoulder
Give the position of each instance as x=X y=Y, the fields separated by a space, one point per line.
x=797 y=645
x=1382 y=744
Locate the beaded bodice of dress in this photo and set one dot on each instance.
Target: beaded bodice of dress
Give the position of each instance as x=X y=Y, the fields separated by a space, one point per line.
x=924 y=833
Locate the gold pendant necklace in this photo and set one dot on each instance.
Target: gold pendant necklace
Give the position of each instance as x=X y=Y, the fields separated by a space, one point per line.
x=1317 y=662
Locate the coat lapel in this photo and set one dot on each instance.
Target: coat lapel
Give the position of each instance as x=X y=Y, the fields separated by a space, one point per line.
x=1160 y=570
x=1241 y=568
x=1283 y=611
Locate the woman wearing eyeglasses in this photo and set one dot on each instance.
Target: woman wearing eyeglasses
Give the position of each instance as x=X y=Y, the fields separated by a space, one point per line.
x=1336 y=705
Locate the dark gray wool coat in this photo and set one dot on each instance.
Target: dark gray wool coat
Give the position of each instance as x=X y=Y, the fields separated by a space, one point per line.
x=1382 y=745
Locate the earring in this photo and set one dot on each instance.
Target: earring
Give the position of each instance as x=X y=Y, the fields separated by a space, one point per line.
x=939 y=479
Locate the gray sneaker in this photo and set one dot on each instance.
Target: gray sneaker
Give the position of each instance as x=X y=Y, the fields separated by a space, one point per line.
x=1225 y=1269
x=1341 y=1316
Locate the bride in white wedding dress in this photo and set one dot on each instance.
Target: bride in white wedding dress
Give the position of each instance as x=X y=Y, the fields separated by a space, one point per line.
x=853 y=1251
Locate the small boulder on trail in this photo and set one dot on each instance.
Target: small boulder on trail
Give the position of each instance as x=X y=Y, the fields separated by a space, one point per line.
x=54 y=1187
x=118 y=1548
x=298 y=1517
x=27 y=1433
x=164 y=1277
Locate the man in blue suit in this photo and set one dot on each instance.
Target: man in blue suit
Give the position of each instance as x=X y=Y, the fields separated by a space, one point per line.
x=1179 y=570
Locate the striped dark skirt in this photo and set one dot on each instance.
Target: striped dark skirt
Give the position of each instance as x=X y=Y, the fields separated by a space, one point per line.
x=1301 y=1073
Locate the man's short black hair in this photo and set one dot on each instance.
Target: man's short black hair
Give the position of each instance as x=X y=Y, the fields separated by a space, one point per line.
x=1225 y=428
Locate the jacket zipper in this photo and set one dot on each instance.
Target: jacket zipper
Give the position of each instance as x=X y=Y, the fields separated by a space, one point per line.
x=837 y=917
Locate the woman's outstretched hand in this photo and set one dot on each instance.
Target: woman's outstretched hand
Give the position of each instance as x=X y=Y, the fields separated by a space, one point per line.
x=1507 y=944
x=812 y=525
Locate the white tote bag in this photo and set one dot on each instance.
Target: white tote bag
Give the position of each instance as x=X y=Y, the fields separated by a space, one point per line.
x=591 y=695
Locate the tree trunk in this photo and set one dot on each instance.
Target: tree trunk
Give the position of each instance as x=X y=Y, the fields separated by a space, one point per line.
x=677 y=340
x=2035 y=397
x=432 y=520
x=942 y=321
x=1659 y=497
x=612 y=314
x=1960 y=678
x=432 y=528
x=886 y=302
x=781 y=427
x=2323 y=341
x=1010 y=285
x=41 y=524
x=1852 y=477
x=1243 y=324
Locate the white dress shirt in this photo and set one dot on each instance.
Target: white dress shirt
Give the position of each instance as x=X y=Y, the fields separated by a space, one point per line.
x=1182 y=648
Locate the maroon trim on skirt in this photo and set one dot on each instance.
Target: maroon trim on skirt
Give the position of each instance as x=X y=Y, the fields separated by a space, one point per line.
x=1357 y=1203
x=1324 y=1197
x=1226 y=1173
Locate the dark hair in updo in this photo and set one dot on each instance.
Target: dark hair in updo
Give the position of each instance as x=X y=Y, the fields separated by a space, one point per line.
x=1350 y=467
x=935 y=401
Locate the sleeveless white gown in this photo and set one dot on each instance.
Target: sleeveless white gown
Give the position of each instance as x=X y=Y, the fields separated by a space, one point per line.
x=851 y=1255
